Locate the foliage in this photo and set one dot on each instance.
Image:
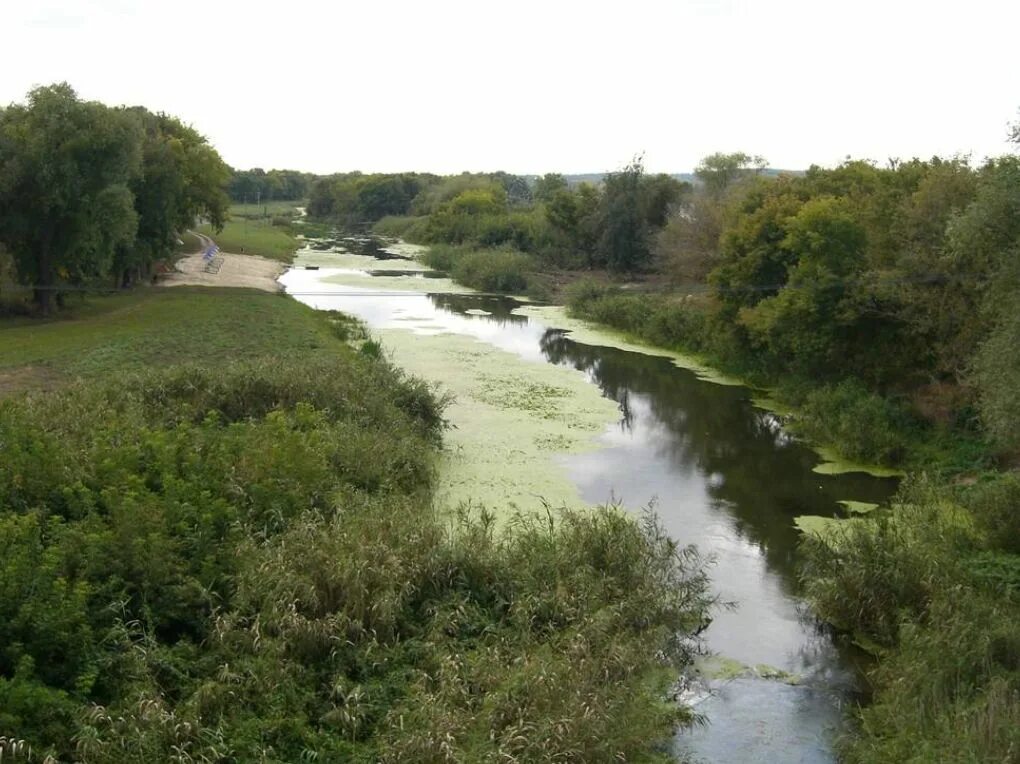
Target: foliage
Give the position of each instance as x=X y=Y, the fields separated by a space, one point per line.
x=623 y=242
x=181 y=178
x=258 y=186
x=239 y=560
x=862 y=425
x=488 y=270
x=997 y=376
x=406 y=227
x=88 y=191
x=65 y=166
x=719 y=172
x=923 y=583
x=222 y=569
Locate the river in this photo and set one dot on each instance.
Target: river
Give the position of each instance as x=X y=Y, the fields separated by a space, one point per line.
x=551 y=410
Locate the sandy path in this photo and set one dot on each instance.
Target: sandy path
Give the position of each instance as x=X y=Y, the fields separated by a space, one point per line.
x=236 y=271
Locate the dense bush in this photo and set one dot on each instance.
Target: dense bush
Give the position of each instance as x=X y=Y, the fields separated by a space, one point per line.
x=860 y=424
x=937 y=597
x=243 y=563
x=407 y=228
x=488 y=270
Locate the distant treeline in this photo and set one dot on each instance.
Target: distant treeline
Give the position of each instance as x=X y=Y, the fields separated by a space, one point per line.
x=257 y=185
x=91 y=192
x=605 y=225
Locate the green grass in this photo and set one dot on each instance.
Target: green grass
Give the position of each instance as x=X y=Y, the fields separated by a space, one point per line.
x=254 y=237
x=160 y=327
x=266 y=209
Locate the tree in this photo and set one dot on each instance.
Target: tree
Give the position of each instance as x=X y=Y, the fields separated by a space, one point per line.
x=660 y=194
x=717 y=172
x=573 y=217
x=623 y=244
x=181 y=177
x=996 y=374
x=546 y=186
x=65 y=166
x=810 y=322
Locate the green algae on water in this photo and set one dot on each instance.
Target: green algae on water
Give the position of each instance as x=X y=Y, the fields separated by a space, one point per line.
x=816 y=525
x=509 y=418
x=723 y=668
x=834 y=464
x=859 y=507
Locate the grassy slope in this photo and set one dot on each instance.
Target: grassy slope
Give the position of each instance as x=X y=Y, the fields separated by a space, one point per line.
x=161 y=327
x=254 y=237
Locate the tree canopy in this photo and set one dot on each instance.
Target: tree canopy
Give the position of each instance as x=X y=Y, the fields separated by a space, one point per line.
x=87 y=190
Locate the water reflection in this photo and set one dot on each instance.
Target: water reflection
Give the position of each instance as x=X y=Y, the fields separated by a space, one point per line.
x=750 y=467
x=722 y=473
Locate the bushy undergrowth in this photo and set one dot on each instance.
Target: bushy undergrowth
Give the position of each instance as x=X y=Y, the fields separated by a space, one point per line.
x=488 y=270
x=241 y=563
x=409 y=228
x=862 y=425
x=933 y=586
x=845 y=415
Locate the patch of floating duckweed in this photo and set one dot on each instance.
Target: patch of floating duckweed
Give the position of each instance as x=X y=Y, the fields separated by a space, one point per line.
x=351 y=261
x=503 y=408
x=406 y=249
x=765 y=671
x=517 y=392
x=834 y=464
x=766 y=399
x=859 y=507
x=555 y=316
x=553 y=443
x=396 y=283
x=721 y=668
x=816 y=525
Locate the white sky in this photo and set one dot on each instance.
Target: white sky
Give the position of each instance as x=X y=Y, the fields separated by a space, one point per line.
x=531 y=87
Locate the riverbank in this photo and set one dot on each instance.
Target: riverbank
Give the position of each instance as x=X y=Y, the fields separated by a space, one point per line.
x=219 y=532
x=715 y=467
x=891 y=579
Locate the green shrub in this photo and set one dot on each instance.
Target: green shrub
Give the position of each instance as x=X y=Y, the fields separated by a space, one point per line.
x=409 y=228
x=494 y=271
x=951 y=693
x=243 y=561
x=995 y=504
x=488 y=270
x=874 y=573
x=860 y=424
x=916 y=581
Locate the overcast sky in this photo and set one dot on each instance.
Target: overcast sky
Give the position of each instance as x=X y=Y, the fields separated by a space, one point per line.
x=531 y=87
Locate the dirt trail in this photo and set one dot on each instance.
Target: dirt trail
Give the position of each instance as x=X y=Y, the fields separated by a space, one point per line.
x=249 y=271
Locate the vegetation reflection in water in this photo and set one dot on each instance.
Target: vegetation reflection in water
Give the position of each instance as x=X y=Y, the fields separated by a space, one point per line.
x=722 y=472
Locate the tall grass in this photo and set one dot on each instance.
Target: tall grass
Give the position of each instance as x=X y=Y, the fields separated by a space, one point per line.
x=240 y=560
x=914 y=585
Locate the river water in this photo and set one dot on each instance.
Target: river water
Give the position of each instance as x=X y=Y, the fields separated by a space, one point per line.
x=720 y=471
